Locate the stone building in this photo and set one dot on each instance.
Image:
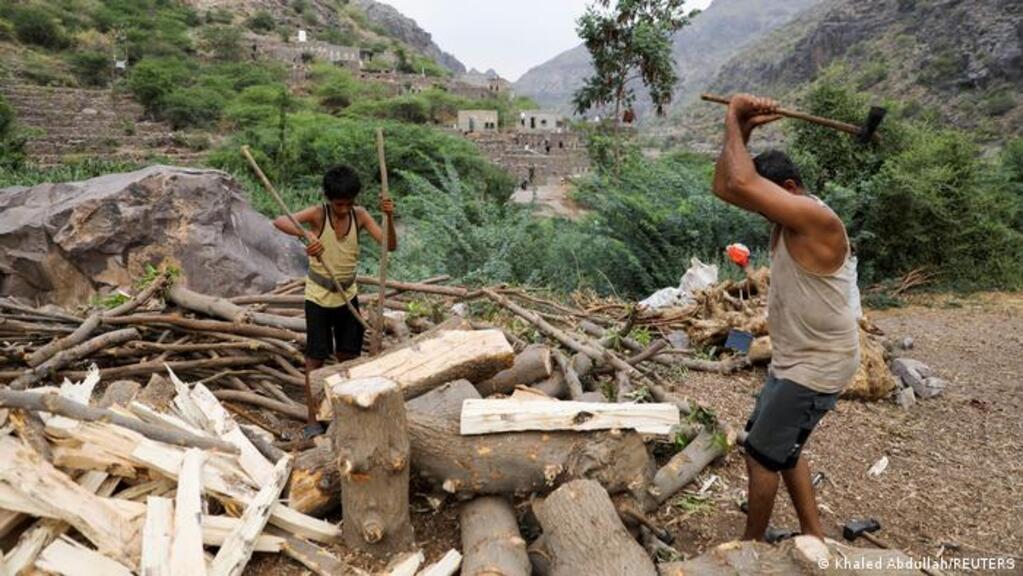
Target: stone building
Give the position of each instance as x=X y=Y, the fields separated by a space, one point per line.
x=541 y=121
x=473 y=121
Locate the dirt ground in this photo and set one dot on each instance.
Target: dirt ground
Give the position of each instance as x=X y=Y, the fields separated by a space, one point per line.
x=954 y=484
x=955 y=473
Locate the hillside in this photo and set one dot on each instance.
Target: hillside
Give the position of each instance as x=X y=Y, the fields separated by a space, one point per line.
x=962 y=60
x=405 y=29
x=715 y=35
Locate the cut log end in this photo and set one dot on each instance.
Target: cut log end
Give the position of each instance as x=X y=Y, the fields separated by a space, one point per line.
x=363 y=392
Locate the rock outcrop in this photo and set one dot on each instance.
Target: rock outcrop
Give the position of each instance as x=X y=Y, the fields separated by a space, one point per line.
x=63 y=243
x=405 y=29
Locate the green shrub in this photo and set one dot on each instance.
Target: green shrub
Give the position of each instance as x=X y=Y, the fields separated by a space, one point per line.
x=261 y=21
x=255 y=105
x=34 y=25
x=151 y=79
x=999 y=103
x=219 y=16
x=223 y=43
x=410 y=108
x=12 y=144
x=192 y=107
x=7 y=31
x=92 y=68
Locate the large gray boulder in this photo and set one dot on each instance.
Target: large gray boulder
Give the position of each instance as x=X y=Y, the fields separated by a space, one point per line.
x=63 y=243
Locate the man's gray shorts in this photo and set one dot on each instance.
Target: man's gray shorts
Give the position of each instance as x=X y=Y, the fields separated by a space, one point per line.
x=782 y=420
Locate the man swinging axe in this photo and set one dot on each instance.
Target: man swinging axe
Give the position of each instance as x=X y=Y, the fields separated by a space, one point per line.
x=811 y=319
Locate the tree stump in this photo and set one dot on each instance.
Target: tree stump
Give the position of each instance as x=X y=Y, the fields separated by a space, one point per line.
x=584 y=535
x=490 y=539
x=373 y=459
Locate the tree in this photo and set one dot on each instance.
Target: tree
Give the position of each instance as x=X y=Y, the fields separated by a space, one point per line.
x=629 y=42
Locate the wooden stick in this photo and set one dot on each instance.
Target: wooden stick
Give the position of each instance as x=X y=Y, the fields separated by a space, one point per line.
x=180 y=366
x=207 y=326
x=11 y=304
x=157 y=534
x=65 y=357
x=55 y=404
x=384 y=247
x=186 y=555
x=227 y=310
x=292 y=410
x=307 y=238
x=828 y=122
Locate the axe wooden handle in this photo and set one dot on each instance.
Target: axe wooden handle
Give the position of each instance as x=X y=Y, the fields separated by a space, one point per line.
x=835 y=124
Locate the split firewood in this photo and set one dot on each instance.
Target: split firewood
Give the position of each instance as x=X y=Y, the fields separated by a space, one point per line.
x=448 y=565
x=490 y=416
x=119 y=392
x=186 y=554
x=490 y=539
x=405 y=564
x=236 y=551
x=372 y=445
x=55 y=404
x=157 y=535
x=316 y=559
x=225 y=309
x=65 y=357
x=449 y=355
x=583 y=534
x=69 y=558
x=41 y=534
x=30 y=485
x=531 y=365
x=263 y=441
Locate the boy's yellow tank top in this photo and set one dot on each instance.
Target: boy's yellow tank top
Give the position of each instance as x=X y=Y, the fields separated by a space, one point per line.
x=342 y=256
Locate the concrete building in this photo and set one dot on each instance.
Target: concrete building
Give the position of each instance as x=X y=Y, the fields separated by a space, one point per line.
x=470 y=121
x=541 y=121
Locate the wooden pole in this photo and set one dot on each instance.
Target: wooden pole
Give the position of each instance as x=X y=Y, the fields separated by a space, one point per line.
x=378 y=336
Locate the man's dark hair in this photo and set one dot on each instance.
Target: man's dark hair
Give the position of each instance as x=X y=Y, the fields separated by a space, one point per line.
x=341 y=182
x=777 y=167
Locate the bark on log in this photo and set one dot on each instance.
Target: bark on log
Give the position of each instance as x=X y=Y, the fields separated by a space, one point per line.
x=584 y=535
x=65 y=357
x=180 y=366
x=555 y=386
x=687 y=464
x=531 y=365
x=526 y=462
x=291 y=410
x=572 y=381
x=373 y=459
x=445 y=401
x=491 y=543
x=55 y=404
x=225 y=309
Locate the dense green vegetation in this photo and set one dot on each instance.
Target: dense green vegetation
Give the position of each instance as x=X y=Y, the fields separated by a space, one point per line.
x=12 y=144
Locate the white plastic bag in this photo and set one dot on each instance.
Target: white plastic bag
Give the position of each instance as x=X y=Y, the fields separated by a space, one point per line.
x=698 y=277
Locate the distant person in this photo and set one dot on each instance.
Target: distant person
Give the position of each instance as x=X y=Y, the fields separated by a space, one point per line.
x=332 y=229
x=810 y=314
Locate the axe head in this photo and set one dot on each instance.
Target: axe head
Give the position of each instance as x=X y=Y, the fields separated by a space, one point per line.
x=856 y=528
x=874 y=119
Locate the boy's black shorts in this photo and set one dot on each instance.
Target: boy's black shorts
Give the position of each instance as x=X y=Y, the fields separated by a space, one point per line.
x=784 y=416
x=332 y=329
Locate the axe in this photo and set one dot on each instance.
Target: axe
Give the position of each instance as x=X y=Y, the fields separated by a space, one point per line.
x=866 y=133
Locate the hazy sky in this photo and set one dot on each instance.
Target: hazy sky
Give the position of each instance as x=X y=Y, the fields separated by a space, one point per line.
x=510 y=36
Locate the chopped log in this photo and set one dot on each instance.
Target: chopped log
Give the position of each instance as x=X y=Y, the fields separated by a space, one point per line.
x=525 y=462
x=405 y=564
x=447 y=566
x=687 y=464
x=236 y=551
x=373 y=458
x=506 y=415
x=55 y=404
x=449 y=355
x=157 y=535
x=65 y=357
x=216 y=529
x=491 y=540
x=207 y=326
x=315 y=486
x=584 y=535
x=186 y=555
x=33 y=486
x=531 y=365
x=802 y=555
x=69 y=558
x=225 y=309
x=445 y=401
x=572 y=381
x=313 y=557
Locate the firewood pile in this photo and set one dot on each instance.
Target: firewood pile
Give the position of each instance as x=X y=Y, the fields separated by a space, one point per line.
x=491 y=397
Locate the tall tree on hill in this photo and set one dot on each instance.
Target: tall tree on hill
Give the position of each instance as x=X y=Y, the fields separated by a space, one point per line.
x=627 y=42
